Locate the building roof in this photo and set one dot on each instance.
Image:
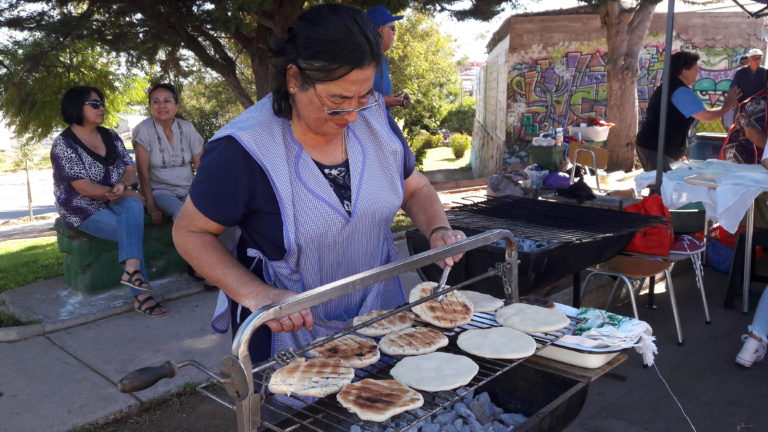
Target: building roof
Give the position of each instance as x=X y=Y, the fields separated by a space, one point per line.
x=504 y=30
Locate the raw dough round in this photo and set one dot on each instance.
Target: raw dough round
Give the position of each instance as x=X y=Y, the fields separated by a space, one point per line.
x=483 y=302
x=497 y=343
x=435 y=371
x=531 y=319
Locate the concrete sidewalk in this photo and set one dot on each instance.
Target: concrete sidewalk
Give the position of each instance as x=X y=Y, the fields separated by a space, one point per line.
x=63 y=372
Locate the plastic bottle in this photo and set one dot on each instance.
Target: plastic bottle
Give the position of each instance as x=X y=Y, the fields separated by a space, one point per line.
x=559 y=137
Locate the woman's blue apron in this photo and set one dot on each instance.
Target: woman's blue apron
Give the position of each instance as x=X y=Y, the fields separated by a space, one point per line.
x=324 y=244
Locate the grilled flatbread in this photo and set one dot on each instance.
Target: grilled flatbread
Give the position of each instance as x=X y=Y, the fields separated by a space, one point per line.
x=378 y=400
x=316 y=377
x=454 y=311
x=531 y=319
x=356 y=351
x=497 y=343
x=413 y=341
x=385 y=326
x=436 y=371
x=483 y=302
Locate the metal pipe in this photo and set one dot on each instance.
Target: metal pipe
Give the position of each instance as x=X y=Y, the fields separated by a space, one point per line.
x=665 y=82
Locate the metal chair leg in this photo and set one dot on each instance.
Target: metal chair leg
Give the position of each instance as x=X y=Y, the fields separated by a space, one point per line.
x=613 y=291
x=585 y=284
x=631 y=288
x=673 y=300
x=698 y=270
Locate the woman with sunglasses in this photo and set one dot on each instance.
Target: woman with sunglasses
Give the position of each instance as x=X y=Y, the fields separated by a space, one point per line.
x=91 y=174
x=168 y=151
x=313 y=175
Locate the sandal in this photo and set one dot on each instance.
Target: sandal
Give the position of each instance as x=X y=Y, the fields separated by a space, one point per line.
x=136 y=280
x=156 y=310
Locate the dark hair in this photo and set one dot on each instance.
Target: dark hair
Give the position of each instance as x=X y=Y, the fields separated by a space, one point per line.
x=325 y=43
x=681 y=61
x=73 y=101
x=165 y=86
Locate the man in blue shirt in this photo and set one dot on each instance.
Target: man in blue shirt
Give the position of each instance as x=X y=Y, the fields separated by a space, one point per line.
x=684 y=107
x=750 y=79
x=384 y=22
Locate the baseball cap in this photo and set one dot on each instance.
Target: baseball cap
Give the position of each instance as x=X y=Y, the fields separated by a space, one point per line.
x=380 y=16
x=754 y=52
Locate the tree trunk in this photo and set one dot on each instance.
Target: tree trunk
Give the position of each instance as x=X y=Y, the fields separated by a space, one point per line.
x=625 y=30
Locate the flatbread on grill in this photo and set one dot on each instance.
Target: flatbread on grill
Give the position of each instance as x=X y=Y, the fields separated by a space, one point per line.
x=388 y=325
x=436 y=371
x=316 y=377
x=483 y=302
x=356 y=351
x=497 y=343
x=413 y=341
x=378 y=400
x=453 y=311
x=531 y=319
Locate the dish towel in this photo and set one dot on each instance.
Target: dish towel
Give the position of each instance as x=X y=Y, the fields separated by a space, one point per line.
x=603 y=329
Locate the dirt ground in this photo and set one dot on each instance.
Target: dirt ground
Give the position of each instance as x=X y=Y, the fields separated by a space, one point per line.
x=187 y=411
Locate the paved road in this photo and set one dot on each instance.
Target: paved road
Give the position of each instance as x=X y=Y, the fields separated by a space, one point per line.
x=13 y=194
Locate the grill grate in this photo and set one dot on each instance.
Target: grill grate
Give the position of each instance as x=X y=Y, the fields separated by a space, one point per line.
x=327 y=414
x=547 y=221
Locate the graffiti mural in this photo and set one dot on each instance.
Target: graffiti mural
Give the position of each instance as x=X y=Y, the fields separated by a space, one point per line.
x=562 y=90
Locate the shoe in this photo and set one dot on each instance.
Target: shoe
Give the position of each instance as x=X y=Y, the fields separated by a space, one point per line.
x=752 y=351
x=149 y=306
x=687 y=245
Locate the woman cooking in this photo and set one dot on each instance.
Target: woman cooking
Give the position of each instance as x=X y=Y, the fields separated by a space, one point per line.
x=312 y=175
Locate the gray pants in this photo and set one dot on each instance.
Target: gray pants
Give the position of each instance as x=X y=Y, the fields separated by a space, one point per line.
x=648 y=159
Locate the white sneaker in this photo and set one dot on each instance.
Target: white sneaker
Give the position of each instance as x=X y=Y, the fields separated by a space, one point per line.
x=752 y=351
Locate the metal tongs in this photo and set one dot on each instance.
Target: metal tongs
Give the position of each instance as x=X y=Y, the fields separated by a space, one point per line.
x=441 y=284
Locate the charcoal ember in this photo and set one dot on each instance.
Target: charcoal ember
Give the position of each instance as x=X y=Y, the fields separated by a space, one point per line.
x=463 y=411
x=513 y=419
x=475 y=426
x=468 y=397
x=448 y=428
x=430 y=427
x=483 y=409
x=458 y=424
x=355 y=428
x=445 y=418
x=498 y=427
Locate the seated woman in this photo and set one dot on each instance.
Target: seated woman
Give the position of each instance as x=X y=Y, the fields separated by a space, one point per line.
x=91 y=174
x=168 y=151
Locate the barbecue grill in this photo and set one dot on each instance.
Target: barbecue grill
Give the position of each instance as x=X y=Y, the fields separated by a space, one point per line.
x=559 y=397
x=553 y=240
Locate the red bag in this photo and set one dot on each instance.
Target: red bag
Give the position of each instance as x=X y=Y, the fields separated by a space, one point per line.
x=656 y=239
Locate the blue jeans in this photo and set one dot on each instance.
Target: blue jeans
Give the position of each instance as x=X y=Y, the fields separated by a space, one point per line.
x=760 y=321
x=121 y=222
x=168 y=203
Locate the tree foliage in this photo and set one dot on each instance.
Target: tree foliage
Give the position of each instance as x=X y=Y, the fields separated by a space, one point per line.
x=421 y=64
x=625 y=25
x=461 y=117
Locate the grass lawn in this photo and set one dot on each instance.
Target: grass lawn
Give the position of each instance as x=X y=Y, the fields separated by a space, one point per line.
x=30 y=260
x=442 y=158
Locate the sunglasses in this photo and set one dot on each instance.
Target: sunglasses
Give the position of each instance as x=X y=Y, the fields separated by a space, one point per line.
x=338 y=112
x=95 y=104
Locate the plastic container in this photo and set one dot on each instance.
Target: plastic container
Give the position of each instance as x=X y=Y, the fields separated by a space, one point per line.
x=585 y=359
x=688 y=218
x=590 y=133
x=550 y=158
x=706 y=146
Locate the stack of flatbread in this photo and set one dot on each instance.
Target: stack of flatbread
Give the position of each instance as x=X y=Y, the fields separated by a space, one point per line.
x=316 y=377
x=497 y=343
x=436 y=371
x=453 y=311
x=531 y=319
x=413 y=341
x=388 y=325
x=378 y=400
x=356 y=351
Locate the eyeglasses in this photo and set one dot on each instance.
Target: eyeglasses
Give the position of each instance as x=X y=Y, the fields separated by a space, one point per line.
x=95 y=104
x=338 y=112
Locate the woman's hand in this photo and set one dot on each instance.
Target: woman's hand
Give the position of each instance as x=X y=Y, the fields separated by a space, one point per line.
x=116 y=192
x=442 y=237
x=155 y=215
x=290 y=323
